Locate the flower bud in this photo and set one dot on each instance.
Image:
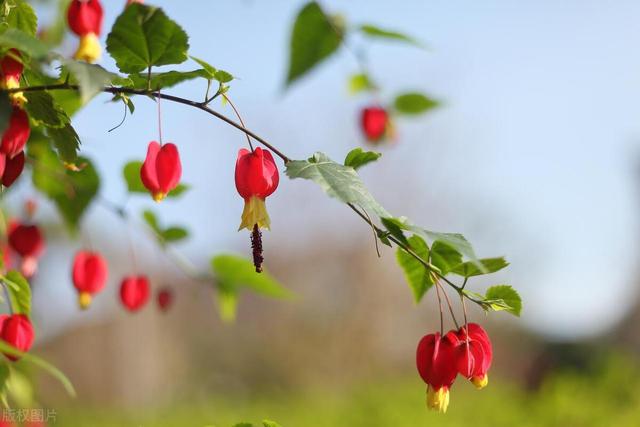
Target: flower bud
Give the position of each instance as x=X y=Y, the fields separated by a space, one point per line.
x=134 y=292
x=17 y=133
x=12 y=168
x=165 y=299
x=375 y=123
x=85 y=20
x=437 y=365
x=17 y=331
x=161 y=170
x=256 y=179
x=12 y=67
x=28 y=242
x=89 y=276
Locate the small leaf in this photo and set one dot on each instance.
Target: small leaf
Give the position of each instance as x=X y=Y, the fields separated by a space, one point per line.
x=415 y=272
x=71 y=191
x=504 y=297
x=379 y=33
x=414 y=103
x=235 y=272
x=210 y=69
x=165 y=80
x=394 y=227
x=315 y=37
x=14 y=38
x=143 y=36
x=358 y=158
x=152 y=221
x=470 y=269
x=66 y=141
x=23 y=17
x=90 y=77
x=223 y=76
x=44 y=111
x=174 y=234
x=338 y=181
x=444 y=256
x=360 y=83
x=19 y=292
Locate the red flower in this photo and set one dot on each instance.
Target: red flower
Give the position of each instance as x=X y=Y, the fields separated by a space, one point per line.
x=256 y=179
x=436 y=359
x=134 y=292
x=17 y=133
x=375 y=123
x=89 y=275
x=165 y=299
x=161 y=170
x=28 y=242
x=12 y=67
x=12 y=168
x=85 y=19
x=17 y=331
x=475 y=354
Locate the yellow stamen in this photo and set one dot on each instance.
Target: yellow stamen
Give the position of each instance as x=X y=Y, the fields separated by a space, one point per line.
x=255 y=212
x=438 y=400
x=89 y=49
x=480 y=382
x=84 y=300
x=158 y=197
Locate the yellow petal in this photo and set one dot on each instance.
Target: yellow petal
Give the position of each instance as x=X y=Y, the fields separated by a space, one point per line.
x=84 y=300
x=255 y=212
x=17 y=98
x=89 y=49
x=438 y=400
x=480 y=382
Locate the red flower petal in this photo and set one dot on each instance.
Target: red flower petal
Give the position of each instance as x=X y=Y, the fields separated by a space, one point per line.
x=85 y=16
x=134 y=292
x=17 y=133
x=12 y=169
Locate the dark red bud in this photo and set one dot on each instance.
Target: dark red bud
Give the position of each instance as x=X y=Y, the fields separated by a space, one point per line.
x=16 y=330
x=12 y=169
x=165 y=299
x=374 y=122
x=134 y=292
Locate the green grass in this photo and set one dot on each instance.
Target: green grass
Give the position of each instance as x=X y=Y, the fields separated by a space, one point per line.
x=610 y=397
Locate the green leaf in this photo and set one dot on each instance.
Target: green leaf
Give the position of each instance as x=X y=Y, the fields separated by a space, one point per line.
x=358 y=158
x=19 y=292
x=174 y=234
x=379 y=33
x=72 y=192
x=210 y=69
x=414 y=103
x=444 y=256
x=227 y=304
x=23 y=17
x=394 y=227
x=143 y=36
x=90 y=77
x=360 y=83
x=168 y=235
x=40 y=363
x=223 y=76
x=165 y=80
x=338 y=181
x=455 y=240
x=470 y=269
x=314 y=38
x=14 y=38
x=131 y=173
x=4 y=375
x=267 y=423
x=503 y=297
x=44 y=111
x=415 y=272
x=234 y=272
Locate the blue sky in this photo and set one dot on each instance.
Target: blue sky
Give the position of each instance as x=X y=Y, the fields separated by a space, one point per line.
x=533 y=155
